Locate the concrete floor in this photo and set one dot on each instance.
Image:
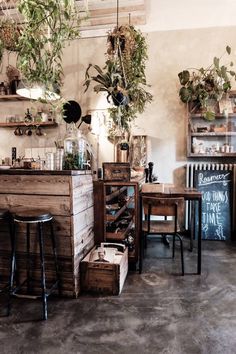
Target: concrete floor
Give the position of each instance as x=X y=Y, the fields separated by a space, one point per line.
x=157 y=312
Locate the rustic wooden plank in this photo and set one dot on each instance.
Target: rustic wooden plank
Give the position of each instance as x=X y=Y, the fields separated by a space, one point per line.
x=57 y=205
x=82 y=220
x=27 y=184
x=80 y=181
x=82 y=200
x=74 y=233
x=64 y=244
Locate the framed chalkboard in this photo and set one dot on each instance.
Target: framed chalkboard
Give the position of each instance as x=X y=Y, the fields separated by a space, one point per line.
x=216 y=188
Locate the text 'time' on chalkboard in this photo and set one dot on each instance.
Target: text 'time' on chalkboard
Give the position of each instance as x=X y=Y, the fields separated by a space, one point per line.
x=216 y=187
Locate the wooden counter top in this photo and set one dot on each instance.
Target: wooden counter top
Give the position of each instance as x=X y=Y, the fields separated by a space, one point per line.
x=21 y=171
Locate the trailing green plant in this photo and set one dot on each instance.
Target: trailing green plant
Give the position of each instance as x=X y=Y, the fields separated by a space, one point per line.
x=49 y=24
x=200 y=85
x=123 y=77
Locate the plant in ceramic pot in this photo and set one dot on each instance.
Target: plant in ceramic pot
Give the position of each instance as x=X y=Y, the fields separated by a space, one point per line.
x=200 y=86
x=123 y=77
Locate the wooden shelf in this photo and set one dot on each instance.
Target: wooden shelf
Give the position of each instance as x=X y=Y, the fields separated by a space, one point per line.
x=110 y=217
x=13 y=98
x=212 y=134
x=220 y=154
x=217 y=116
x=27 y=124
x=119 y=191
x=120 y=235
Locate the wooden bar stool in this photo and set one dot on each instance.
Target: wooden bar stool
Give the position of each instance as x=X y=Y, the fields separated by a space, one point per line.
x=29 y=217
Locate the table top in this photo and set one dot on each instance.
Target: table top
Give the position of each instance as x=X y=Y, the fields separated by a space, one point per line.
x=167 y=189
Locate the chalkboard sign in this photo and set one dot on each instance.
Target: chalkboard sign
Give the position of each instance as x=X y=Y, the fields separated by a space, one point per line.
x=216 y=187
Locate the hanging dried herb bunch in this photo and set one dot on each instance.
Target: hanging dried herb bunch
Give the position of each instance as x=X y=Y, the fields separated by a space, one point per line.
x=9 y=34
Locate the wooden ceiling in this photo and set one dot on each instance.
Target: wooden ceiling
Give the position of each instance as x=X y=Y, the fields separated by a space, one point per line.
x=100 y=14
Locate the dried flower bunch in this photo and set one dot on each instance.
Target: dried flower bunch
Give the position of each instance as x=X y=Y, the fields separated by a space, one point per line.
x=9 y=34
x=12 y=72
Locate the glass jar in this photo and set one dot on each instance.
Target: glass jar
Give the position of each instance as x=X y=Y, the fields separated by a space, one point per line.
x=75 y=150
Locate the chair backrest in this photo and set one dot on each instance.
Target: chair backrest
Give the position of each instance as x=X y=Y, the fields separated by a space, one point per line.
x=166 y=206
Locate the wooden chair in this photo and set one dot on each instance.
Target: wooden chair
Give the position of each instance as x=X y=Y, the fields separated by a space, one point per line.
x=171 y=211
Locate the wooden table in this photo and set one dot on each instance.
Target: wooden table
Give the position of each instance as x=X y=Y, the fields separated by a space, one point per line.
x=190 y=194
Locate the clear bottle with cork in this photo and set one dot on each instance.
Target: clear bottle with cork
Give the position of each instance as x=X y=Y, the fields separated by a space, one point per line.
x=28 y=116
x=2 y=89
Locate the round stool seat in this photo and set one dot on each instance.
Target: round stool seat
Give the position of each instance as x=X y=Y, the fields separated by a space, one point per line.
x=4 y=213
x=26 y=215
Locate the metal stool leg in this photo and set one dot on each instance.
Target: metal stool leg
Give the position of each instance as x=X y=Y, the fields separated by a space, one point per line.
x=12 y=268
x=28 y=256
x=43 y=280
x=55 y=258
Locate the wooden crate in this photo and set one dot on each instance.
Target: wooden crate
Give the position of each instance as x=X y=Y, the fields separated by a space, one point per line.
x=102 y=277
x=116 y=171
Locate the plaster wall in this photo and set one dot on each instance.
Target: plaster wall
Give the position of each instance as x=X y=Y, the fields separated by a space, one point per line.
x=180 y=35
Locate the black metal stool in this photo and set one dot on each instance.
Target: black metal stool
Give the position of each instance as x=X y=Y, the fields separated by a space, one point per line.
x=38 y=217
x=5 y=215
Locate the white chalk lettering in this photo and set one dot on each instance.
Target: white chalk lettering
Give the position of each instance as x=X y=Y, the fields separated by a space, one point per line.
x=205 y=180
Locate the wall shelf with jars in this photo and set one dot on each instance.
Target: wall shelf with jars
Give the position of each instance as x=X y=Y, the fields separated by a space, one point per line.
x=24 y=124
x=214 y=137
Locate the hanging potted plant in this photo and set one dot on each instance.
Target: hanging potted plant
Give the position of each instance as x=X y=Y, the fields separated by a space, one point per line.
x=123 y=77
x=49 y=24
x=200 y=86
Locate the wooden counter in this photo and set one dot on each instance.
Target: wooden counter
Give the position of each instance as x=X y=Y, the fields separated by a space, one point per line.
x=68 y=195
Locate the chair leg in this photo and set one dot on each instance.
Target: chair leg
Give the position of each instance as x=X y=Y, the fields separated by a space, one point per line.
x=173 y=247
x=182 y=252
x=55 y=258
x=43 y=280
x=141 y=252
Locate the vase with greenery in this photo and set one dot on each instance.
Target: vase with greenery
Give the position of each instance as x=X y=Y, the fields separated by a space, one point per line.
x=123 y=76
x=198 y=86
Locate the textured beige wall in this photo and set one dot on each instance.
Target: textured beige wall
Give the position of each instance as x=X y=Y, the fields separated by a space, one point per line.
x=170 y=51
x=164 y=121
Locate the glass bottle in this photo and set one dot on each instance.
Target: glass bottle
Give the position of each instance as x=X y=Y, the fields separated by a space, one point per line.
x=71 y=160
x=2 y=89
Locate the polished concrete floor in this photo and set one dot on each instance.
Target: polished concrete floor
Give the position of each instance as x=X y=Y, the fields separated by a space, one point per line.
x=158 y=312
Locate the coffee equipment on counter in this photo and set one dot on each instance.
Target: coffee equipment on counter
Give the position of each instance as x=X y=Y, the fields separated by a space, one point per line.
x=149 y=176
x=150 y=171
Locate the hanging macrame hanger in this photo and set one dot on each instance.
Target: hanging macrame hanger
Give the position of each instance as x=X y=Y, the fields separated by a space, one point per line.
x=117 y=14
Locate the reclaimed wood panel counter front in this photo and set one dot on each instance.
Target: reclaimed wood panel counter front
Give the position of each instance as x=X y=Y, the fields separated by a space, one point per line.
x=68 y=195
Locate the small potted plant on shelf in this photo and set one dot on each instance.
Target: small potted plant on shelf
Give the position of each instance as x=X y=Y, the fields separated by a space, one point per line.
x=200 y=86
x=123 y=77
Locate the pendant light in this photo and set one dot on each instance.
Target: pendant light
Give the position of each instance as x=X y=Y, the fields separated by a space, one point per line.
x=36 y=92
